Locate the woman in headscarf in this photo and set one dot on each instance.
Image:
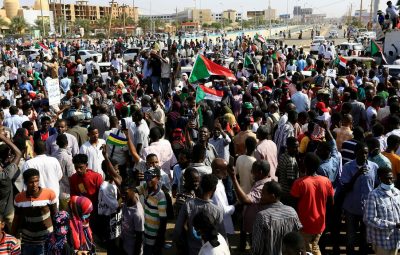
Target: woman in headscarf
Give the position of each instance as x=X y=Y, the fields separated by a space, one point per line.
x=36 y=79
x=81 y=234
x=173 y=117
x=57 y=242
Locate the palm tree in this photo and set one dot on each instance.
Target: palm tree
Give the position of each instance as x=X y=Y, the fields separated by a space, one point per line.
x=102 y=22
x=144 y=23
x=18 y=24
x=3 y=23
x=39 y=25
x=83 y=23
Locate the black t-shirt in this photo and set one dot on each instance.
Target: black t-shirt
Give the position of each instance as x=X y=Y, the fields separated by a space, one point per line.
x=155 y=64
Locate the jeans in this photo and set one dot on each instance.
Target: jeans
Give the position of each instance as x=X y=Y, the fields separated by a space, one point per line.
x=32 y=249
x=155 y=83
x=165 y=85
x=353 y=224
x=311 y=242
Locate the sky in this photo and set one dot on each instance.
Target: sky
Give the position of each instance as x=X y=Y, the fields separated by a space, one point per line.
x=333 y=8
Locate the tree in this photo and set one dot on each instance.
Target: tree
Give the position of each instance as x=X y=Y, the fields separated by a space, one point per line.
x=83 y=23
x=216 y=25
x=18 y=25
x=144 y=23
x=158 y=23
x=39 y=25
x=102 y=22
x=3 y=23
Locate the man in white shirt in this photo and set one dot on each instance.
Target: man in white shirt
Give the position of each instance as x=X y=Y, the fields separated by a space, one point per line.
x=139 y=131
x=51 y=142
x=48 y=167
x=165 y=72
x=162 y=148
x=65 y=83
x=92 y=149
x=156 y=115
x=89 y=67
x=220 y=170
x=37 y=66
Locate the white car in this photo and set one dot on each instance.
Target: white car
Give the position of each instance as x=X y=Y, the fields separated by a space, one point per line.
x=314 y=47
x=85 y=54
x=130 y=54
x=333 y=34
x=345 y=47
x=394 y=70
x=319 y=37
x=31 y=54
x=105 y=67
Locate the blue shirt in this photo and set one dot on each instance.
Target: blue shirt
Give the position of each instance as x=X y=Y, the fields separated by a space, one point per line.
x=65 y=84
x=26 y=86
x=331 y=167
x=355 y=199
x=301 y=64
x=301 y=101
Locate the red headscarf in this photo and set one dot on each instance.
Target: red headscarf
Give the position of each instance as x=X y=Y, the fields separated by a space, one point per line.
x=81 y=233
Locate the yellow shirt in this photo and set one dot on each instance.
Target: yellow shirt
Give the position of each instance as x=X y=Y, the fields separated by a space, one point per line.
x=303 y=144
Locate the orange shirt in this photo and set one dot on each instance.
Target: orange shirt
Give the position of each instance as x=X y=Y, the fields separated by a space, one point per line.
x=395 y=160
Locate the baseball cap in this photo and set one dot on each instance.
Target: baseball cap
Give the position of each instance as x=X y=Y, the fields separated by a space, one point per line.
x=321 y=106
x=248 y=105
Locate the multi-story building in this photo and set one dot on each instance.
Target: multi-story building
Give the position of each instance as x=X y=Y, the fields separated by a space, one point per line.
x=82 y=10
x=200 y=16
x=266 y=14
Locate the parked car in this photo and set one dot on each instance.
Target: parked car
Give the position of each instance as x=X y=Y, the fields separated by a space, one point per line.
x=31 y=54
x=85 y=54
x=394 y=70
x=345 y=47
x=105 y=67
x=333 y=34
x=130 y=54
x=315 y=45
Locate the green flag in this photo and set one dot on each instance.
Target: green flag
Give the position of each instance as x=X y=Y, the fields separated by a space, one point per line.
x=200 y=95
x=374 y=48
x=274 y=56
x=247 y=61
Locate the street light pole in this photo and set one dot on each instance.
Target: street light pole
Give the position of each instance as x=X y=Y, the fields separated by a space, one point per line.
x=270 y=22
x=41 y=13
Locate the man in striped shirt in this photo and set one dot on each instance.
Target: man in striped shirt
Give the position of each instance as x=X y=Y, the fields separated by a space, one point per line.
x=155 y=212
x=8 y=244
x=274 y=222
x=34 y=211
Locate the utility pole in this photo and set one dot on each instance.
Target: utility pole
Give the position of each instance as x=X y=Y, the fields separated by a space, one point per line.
x=41 y=13
x=270 y=18
x=65 y=19
x=361 y=4
x=124 y=6
x=111 y=16
x=350 y=14
x=370 y=14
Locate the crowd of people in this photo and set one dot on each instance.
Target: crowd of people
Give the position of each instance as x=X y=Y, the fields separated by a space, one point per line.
x=283 y=157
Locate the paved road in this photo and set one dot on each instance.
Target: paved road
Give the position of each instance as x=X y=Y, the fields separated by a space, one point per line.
x=306 y=40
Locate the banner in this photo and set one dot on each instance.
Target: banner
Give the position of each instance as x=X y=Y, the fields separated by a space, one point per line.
x=53 y=91
x=331 y=73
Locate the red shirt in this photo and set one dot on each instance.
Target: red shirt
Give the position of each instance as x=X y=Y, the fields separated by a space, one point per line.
x=313 y=193
x=87 y=185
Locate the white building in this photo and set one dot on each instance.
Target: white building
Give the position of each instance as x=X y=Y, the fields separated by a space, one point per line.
x=31 y=16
